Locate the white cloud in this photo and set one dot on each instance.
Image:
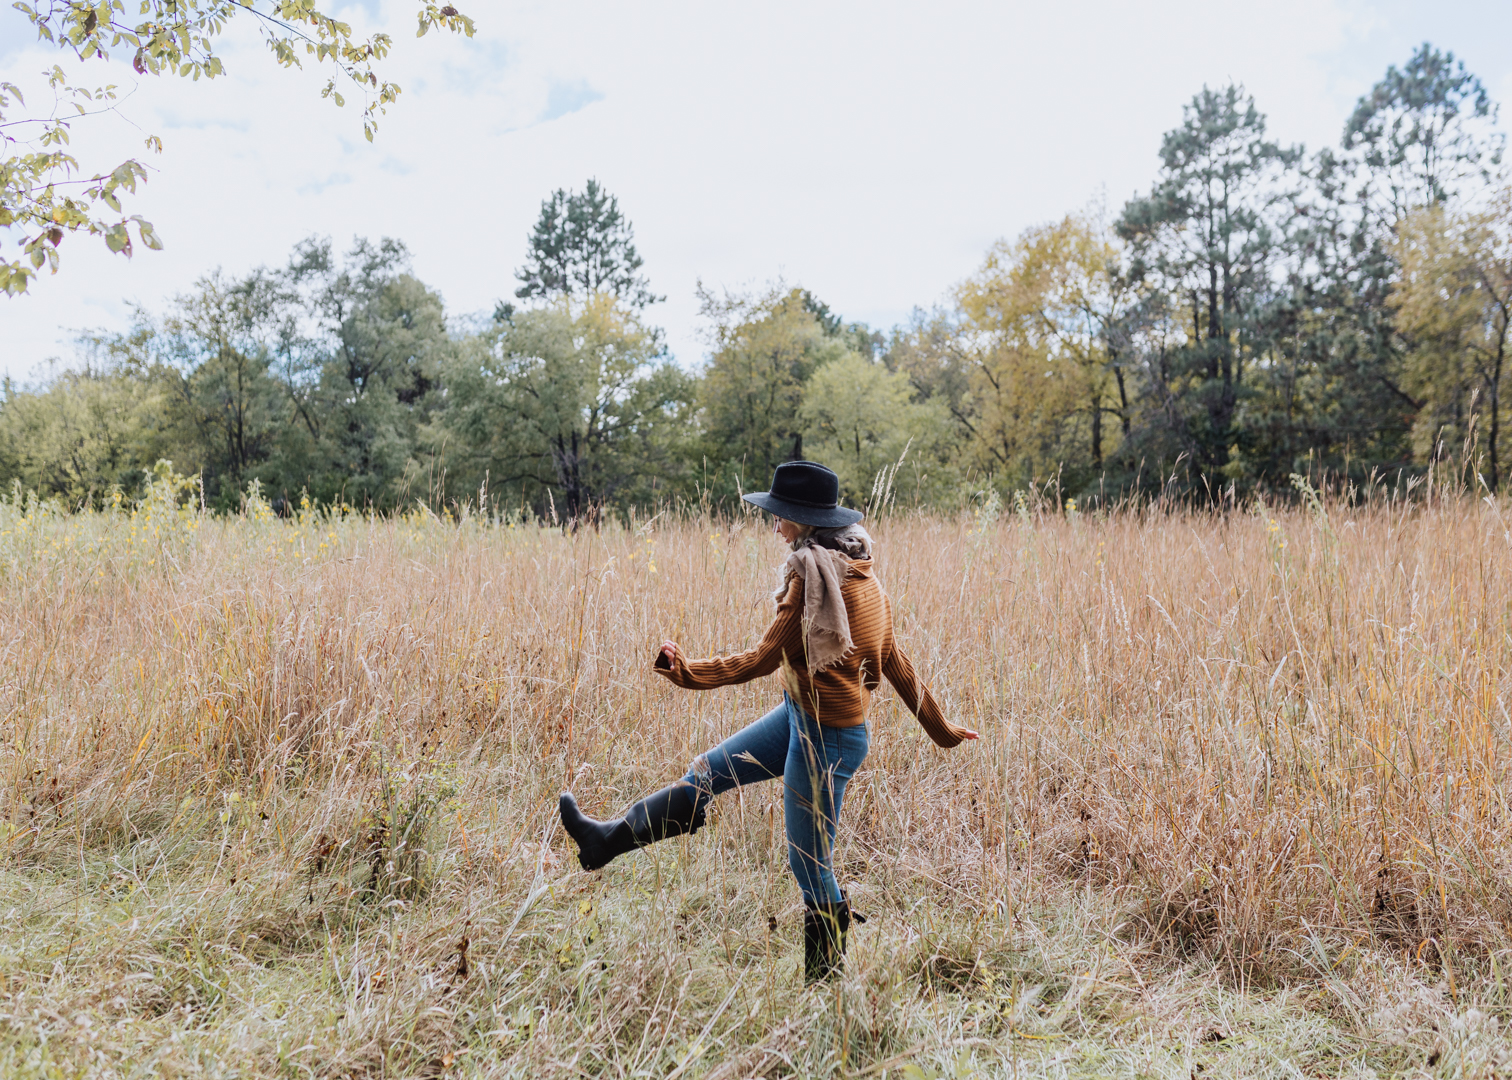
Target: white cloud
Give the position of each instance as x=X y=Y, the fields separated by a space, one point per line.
x=869 y=151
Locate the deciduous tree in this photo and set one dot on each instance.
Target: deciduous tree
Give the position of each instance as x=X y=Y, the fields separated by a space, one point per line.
x=1454 y=300
x=861 y=418
x=223 y=339
x=46 y=193
x=764 y=348
x=364 y=375
x=1058 y=290
x=570 y=406
x=82 y=433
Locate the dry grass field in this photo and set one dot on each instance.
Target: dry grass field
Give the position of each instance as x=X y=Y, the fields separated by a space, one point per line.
x=279 y=800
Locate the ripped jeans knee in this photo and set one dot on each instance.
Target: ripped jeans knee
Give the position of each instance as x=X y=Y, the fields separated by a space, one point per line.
x=701 y=777
x=755 y=754
x=789 y=746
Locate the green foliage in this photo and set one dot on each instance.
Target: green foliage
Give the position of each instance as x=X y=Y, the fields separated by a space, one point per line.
x=583 y=245
x=1210 y=233
x=1338 y=389
x=222 y=341
x=405 y=806
x=316 y=378
x=34 y=168
x=1422 y=131
x=764 y=349
x=173 y=37
x=571 y=399
x=1454 y=299
x=86 y=433
x=1258 y=314
x=362 y=378
x=861 y=418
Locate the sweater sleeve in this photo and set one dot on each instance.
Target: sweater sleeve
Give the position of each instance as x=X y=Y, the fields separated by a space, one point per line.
x=784 y=638
x=900 y=672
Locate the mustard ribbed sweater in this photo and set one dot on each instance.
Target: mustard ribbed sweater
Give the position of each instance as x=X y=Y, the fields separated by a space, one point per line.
x=839 y=695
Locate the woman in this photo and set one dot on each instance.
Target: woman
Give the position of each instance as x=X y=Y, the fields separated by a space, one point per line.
x=831 y=643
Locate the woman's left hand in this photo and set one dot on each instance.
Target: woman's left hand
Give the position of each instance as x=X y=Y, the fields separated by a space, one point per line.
x=967 y=733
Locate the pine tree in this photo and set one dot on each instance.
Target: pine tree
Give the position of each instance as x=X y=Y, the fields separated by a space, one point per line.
x=582 y=244
x=1421 y=132
x=1207 y=235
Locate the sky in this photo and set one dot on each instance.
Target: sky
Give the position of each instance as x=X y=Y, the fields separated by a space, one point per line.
x=870 y=152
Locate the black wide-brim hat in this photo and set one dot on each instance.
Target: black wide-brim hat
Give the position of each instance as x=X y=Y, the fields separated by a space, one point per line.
x=807 y=493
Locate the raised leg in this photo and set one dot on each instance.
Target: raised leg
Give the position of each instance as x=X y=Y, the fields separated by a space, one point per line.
x=672 y=811
x=756 y=753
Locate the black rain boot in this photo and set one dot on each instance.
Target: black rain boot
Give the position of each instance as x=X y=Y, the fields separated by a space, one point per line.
x=825 y=929
x=671 y=811
x=599 y=842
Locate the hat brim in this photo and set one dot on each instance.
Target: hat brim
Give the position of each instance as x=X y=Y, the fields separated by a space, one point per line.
x=821 y=517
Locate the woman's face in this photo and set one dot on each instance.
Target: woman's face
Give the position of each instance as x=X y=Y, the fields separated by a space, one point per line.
x=786 y=529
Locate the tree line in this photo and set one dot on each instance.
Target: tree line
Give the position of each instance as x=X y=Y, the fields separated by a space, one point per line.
x=1260 y=311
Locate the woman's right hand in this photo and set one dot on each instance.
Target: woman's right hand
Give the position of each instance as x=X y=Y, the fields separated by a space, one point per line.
x=670 y=656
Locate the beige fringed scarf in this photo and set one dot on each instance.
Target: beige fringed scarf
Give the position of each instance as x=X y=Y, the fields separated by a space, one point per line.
x=826 y=627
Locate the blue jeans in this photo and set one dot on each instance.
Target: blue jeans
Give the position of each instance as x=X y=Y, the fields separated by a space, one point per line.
x=815 y=763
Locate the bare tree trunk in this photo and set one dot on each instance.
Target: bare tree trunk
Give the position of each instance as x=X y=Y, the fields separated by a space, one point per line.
x=1496 y=374
x=1123 y=399
x=1097 y=460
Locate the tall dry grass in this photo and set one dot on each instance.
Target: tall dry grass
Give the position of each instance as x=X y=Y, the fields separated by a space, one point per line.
x=263 y=777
